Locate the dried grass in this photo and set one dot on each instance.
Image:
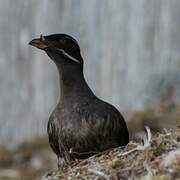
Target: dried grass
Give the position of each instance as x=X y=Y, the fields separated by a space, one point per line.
x=156 y=157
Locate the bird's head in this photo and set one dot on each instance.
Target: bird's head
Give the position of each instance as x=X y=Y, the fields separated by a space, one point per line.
x=61 y=48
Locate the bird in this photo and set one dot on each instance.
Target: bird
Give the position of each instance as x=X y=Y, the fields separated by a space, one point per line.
x=82 y=124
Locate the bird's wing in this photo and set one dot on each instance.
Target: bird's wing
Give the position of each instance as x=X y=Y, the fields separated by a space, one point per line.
x=53 y=132
x=99 y=132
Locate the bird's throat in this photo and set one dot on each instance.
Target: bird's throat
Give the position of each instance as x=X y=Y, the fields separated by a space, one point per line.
x=72 y=83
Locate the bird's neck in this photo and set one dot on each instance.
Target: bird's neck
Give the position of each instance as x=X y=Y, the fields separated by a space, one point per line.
x=72 y=83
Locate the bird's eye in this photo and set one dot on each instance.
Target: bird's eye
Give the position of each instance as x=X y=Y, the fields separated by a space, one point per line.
x=62 y=40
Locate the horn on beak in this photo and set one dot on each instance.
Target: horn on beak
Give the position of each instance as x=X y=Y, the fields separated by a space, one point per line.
x=39 y=43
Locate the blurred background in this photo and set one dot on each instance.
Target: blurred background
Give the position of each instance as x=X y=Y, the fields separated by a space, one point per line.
x=131 y=51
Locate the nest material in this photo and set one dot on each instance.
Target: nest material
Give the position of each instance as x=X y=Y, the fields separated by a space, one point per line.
x=157 y=157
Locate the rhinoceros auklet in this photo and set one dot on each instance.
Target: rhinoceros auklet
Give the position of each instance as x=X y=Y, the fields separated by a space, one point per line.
x=81 y=123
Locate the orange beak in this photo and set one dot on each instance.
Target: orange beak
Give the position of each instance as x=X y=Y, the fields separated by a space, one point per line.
x=39 y=43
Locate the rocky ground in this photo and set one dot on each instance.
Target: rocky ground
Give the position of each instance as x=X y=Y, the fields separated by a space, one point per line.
x=29 y=161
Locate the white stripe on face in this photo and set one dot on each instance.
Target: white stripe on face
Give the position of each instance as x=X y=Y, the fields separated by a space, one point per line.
x=68 y=56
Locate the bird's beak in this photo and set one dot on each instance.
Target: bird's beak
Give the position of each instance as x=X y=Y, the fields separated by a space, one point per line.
x=39 y=43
